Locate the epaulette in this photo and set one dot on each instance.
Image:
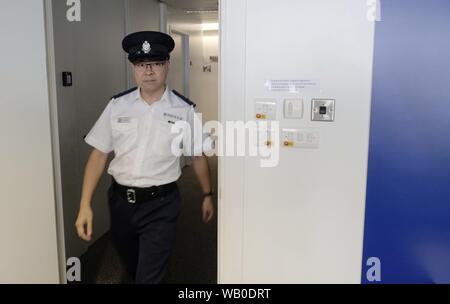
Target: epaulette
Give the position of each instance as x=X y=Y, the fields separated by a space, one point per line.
x=185 y=99
x=124 y=93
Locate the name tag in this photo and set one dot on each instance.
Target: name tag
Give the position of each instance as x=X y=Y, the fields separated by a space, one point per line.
x=172 y=117
x=123 y=119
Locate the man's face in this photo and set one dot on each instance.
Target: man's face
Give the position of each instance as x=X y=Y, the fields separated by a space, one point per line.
x=151 y=75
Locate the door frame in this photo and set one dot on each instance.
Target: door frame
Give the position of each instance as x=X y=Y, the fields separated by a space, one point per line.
x=54 y=129
x=186 y=60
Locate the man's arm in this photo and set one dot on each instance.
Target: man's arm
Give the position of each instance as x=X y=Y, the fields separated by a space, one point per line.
x=92 y=173
x=201 y=169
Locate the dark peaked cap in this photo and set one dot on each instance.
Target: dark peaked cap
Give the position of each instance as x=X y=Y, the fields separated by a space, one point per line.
x=148 y=45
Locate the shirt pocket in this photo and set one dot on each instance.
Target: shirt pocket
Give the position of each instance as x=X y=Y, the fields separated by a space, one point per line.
x=166 y=143
x=124 y=135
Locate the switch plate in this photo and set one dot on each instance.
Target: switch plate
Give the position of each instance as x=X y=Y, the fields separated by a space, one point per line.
x=268 y=137
x=266 y=109
x=67 y=79
x=293 y=108
x=323 y=109
x=300 y=138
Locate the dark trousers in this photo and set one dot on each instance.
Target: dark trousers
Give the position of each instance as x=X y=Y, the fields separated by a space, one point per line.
x=144 y=233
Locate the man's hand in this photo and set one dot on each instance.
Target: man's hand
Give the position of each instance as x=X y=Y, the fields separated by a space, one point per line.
x=84 y=223
x=92 y=173
x=201 y=169
x=207 y=209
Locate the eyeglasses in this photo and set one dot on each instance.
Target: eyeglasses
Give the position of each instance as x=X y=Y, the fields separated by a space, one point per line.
x=154 y=66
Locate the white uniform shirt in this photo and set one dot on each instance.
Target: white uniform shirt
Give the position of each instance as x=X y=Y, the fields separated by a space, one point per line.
x=141 y=138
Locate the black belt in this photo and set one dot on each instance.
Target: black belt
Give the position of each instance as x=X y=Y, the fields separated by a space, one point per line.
x=138 y=195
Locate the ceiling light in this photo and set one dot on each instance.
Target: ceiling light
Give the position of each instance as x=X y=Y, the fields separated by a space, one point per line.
x=210 y=26
x=202 y=11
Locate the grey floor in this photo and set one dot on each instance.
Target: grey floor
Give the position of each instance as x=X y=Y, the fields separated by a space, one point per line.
x=194 y=259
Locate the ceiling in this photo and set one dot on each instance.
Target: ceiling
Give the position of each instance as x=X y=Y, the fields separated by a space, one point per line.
x=176 y=11
x=193 y=4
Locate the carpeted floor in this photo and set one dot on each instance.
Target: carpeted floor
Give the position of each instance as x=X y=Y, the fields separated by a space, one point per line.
x=194 y=259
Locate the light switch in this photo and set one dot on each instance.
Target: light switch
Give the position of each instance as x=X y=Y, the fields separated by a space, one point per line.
x=300 y=138
x=265 y=109
x=293 y=108
x=268 y=137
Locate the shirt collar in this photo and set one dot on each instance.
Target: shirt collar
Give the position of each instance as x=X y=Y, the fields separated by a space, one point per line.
x=164 y=97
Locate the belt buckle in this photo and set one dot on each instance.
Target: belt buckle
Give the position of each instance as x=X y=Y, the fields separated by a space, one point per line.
x=131 y=196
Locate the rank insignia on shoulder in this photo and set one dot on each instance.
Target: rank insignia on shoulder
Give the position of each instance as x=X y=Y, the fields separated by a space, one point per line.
x=184 y=98
x=124 y=93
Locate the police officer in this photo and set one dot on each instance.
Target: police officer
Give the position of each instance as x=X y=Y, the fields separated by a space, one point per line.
x=144 y=200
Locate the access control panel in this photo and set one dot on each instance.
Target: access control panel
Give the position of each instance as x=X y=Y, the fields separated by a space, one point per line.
x=322 y=110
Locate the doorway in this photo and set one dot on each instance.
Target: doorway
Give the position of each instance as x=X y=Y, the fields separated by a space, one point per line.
x=90 y=49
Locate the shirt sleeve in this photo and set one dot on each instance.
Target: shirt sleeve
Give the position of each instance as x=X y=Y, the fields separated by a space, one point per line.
x=100 y=136
x=199 y=140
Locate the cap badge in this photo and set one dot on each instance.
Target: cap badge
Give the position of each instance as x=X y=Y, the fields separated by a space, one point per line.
x=146 y=48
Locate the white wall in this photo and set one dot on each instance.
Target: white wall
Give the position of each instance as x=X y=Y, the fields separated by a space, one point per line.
x=205 y=85
x=301 y=221
x=27 y=207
